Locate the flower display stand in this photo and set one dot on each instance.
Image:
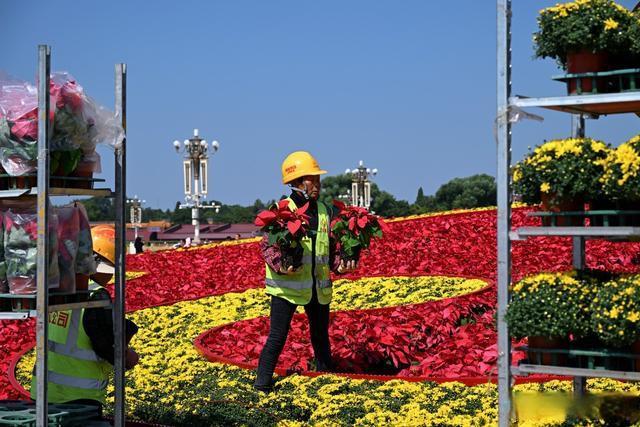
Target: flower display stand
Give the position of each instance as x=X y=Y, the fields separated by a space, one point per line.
x=23 y=413
x=583 y=358
x=45 y=305
x=627 y=80
x=603 y=218
x=586 y=362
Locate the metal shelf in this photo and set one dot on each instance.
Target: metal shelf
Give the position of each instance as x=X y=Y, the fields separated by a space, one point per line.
x=23 y=315
x=617 y=233
x=526 y=369
x=56 y=191
x=594 y=105
x=17 y=315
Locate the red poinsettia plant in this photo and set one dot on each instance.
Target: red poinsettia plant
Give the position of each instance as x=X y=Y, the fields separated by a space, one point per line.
x=285 y=228
x=354 y=227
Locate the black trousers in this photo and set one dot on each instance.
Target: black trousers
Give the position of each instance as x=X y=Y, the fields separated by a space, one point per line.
x=281 y=314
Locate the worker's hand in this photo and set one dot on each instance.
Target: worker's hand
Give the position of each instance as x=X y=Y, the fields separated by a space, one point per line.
x=290 y=270
x=347 y=266
x=131 y=359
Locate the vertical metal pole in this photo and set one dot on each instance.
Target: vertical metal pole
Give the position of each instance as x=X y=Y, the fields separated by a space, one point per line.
x=42 y=275
x=577 y=125
x=195 y=212
x=504 y=207
x=579 y=263
x=119 y=304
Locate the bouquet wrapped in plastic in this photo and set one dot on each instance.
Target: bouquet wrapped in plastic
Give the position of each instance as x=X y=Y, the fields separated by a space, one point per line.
x=68 y=233
x=85 y=262
x=285 y=228
x=21 y=252
x=4 y=286
x=79 y=124
x=354 y=227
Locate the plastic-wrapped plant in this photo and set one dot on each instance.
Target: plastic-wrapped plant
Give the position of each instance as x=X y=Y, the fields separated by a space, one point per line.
x=21 y=252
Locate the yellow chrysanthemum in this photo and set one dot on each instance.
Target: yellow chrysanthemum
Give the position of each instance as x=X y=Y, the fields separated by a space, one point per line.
x=610 y=24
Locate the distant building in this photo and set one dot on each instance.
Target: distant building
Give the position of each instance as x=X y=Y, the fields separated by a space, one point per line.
x=210 y=232
x=163 y=231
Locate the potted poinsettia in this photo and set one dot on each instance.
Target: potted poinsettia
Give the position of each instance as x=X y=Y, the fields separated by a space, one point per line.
x=354 y=227
x=285 y=228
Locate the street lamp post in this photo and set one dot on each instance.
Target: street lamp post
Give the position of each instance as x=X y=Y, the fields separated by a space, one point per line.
x=136 y=213
x=195 y=177
x=360 y=185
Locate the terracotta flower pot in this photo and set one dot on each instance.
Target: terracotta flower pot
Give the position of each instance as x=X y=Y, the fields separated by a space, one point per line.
x=82 y=282
x=545 y=343
x=84 y=170
x=587 y=62
x=551 y=203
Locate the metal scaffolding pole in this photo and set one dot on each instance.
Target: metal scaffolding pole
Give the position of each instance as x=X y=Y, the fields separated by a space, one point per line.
x=504 y=207
x=42 y=275
x=119 y=303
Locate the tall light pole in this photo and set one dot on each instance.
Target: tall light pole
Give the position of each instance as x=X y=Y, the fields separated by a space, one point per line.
x=360 y=185
x=195 y=176
x=136 y=213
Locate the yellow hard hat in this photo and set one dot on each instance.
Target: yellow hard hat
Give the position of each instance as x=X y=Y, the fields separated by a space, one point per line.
x=104 y=236
x=297 y=164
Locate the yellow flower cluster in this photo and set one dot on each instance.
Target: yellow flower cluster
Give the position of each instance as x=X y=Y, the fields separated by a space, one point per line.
x=441 y=213
x=533 y=283
x=562 y=10
x=558 y=148
x=624 y=160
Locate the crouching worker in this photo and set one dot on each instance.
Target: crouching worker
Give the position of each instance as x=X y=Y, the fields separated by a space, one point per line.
x=81 y=341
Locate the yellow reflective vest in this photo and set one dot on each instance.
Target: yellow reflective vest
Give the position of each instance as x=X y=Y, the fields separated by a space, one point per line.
x=297 y=288
x=75 y=371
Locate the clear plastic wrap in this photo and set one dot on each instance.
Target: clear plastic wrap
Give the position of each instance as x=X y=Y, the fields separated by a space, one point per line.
x=4 y=286
x=85 y=262
x=79 y=124
x=68 y=234
x=20 y=251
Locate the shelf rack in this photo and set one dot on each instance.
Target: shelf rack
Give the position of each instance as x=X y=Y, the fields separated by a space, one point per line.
x=579 y=106
x=42 y=192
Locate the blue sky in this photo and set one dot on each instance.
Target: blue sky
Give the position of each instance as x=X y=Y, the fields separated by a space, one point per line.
x=408 y=87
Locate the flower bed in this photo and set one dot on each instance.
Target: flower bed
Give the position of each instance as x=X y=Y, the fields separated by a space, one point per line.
x=450 y=338
x=173 y=383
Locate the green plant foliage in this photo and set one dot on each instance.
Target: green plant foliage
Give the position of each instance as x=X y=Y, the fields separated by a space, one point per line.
x=550 y=305
x=586 y=25
x=566 y=169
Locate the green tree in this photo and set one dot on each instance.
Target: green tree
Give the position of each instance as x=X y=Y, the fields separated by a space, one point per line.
x=464 y=193
x=99 y=208
x=382 y=203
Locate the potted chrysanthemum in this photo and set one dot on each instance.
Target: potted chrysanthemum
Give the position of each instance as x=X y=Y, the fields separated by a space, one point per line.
x=562 y=174
x=587 y=35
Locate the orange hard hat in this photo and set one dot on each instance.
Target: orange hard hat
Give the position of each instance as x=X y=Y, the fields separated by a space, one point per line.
x=298 y=164
x=104 y=236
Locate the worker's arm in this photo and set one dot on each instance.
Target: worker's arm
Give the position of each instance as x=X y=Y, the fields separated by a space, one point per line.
x=98 y=324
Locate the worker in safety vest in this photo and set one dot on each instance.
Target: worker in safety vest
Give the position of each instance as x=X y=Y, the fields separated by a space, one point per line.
x=309 y=285
x=81 y=341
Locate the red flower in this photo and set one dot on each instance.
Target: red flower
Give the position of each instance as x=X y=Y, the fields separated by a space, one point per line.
x=283 y=225
x=354 y=227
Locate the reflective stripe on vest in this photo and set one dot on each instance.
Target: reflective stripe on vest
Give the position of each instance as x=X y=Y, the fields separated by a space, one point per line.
x=70 y=347
x=85 y=383
x=303 y=280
